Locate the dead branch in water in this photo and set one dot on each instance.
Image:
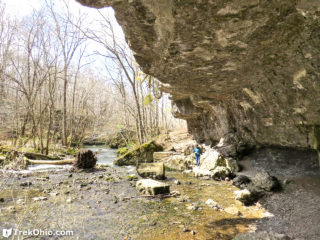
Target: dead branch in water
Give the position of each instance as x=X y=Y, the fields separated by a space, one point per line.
x=53 y=162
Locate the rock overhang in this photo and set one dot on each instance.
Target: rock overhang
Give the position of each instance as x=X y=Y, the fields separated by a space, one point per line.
x=245 y=67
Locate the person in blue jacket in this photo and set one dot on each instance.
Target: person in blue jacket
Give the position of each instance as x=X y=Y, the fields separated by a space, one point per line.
x=197 y=152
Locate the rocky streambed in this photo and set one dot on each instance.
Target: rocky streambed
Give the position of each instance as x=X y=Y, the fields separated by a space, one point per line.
x=103 y=204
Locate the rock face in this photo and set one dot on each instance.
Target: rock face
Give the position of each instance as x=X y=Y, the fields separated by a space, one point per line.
x=151 y=170
x=284 y=161
x=248 y=69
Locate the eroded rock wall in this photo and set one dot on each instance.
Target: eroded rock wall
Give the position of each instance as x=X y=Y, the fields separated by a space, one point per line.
x=249 y=68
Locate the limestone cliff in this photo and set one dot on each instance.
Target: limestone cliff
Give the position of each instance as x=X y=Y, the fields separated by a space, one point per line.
x=249 y=69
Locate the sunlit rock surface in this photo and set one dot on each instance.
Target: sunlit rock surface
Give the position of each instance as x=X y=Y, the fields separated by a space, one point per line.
x=243 y=67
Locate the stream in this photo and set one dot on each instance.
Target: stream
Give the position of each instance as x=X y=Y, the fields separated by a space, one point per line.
x=104 y=155
x=114 y=210
x=109 y=199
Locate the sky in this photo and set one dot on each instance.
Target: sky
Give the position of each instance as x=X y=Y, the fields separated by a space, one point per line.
x=22 y=8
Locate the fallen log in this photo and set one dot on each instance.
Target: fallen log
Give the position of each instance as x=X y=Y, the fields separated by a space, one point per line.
x=52 y=162
x=38 y=156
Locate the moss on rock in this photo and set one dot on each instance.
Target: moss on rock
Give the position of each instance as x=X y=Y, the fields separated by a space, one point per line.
x=122 y=151
x=143 y=153
x=121 y=139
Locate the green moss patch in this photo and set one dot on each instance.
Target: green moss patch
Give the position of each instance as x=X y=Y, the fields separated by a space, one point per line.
x=143 y=153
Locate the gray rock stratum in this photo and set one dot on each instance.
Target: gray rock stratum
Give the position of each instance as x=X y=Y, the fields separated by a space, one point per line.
x=250 y=68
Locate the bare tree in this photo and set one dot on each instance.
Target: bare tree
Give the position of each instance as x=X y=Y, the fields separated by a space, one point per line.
x=70 y=39
x=51 y=94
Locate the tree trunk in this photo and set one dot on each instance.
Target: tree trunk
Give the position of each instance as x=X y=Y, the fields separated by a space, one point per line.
x=64 y=115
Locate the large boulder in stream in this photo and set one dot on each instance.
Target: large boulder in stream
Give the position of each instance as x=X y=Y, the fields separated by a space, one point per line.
x=121 y=138
x=85 y=159
x=152 y=187
x=143 y=153
x=151 y=170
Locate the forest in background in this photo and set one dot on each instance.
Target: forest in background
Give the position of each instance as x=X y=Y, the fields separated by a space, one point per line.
x=65 y=77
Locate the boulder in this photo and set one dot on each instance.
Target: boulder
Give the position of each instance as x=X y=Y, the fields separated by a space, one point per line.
x=245 y=196
x=188 y=150
x=122 y=151
x=198 y=172
x=221 y=173
x=151 y=170
x=115 y=143
x=95 y=140
x=174 y=160
x=180 y=162
x=85 y=159
x=162 y=156
x=121 y=138
x=211 y=159
x=254 y=188
x=152 y=187
x=241 y=181
x=264 y=181
x=232 y=164
x=143 y=153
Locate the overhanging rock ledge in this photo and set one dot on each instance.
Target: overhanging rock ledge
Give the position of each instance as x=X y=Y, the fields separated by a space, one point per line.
x=249 y=69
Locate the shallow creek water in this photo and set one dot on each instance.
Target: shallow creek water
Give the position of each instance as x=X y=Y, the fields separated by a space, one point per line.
x=104 y=155
x=206 y=222
x=131 y=216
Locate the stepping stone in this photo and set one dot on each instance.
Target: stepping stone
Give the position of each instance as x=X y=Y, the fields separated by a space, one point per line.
x=152 y=187
x=151 y=170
